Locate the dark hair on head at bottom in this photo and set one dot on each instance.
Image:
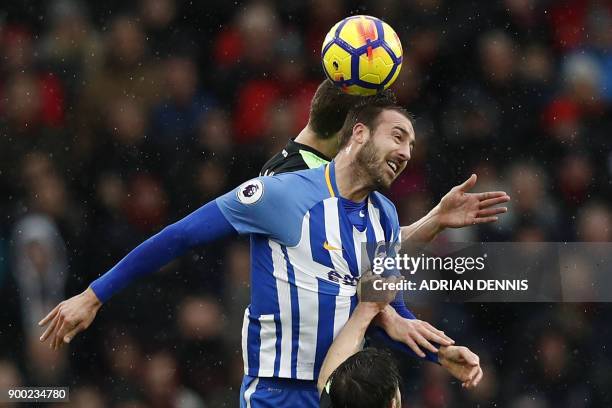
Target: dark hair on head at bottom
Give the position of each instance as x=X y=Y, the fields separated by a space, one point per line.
x=367 y=379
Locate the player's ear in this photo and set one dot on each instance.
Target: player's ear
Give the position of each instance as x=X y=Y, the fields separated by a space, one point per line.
x=360 y=133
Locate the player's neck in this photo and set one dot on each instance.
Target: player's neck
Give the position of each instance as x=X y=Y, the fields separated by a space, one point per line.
x=352 y=184
x=329 y=147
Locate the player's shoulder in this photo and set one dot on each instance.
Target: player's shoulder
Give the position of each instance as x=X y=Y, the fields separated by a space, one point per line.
x=383 y=201
x=302 y=185
x=282 y=162
x=385 y=205
x=307 y=179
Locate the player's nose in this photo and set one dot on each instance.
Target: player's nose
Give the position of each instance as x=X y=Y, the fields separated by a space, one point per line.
x=404 y=152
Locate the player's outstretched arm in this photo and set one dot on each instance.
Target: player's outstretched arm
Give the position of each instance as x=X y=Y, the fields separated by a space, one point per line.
x=458 y=208
x=348 y=341
x=244 y=210
x=76 y=314
x=350 y=338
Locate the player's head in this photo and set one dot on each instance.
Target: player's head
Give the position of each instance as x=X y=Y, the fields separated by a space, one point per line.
x=380 y=137
x=330 y=106
x=367 y=379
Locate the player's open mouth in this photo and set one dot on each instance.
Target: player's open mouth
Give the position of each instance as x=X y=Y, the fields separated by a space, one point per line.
x=394 y=166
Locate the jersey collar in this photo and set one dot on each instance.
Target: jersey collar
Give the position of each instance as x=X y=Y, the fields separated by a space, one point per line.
x=297 y=146
x=330 y=179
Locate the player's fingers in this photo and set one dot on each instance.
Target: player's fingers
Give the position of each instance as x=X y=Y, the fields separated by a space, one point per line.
x=493 y=201
x=471 y=375
x=484 y=220
x=474 y=375
x=422 y=341
x=439 y=332
x=479 y=376
x=469 y=183
x=57 y=338
x=71 y=333
x=65 y=329
x=490 y=194
x=491 y=211
x=48 y=317
x=435 y=337
x=59 y=323
x=49 y=329
x=414 y=347
x=471 y=358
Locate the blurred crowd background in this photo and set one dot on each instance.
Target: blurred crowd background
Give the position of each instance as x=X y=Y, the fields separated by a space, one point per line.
x=118 y=117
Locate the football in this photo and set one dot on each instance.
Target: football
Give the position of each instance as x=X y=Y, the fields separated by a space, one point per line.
x=362 y=55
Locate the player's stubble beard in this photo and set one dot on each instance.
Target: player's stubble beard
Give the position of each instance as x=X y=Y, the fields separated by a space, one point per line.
x=371 y=164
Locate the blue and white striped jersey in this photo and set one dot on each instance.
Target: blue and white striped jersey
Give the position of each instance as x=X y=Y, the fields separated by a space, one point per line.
x=306 y=258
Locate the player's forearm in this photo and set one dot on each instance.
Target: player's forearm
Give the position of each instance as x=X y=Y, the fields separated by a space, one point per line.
x=348 y=341
x=204 y=225
x=385 y=322
x=423 y=230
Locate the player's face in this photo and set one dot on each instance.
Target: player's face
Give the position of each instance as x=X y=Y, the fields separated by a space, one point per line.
x=385 y=155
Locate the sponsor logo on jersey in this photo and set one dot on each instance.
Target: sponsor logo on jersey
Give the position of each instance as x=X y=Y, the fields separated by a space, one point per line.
x=330 y=248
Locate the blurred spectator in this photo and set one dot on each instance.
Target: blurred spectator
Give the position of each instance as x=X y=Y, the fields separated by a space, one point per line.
x=40 y=269
x=10 y=377
x=530 y=201
x=497 y=55
x=71 y=47
x=127 y=73
x=126 y=362
x=575 y=179
x=237 y=288
x=86 y=397
x=25 y=128
x=204 y=356
x=215 y=134
x=211 y=180
x=163 y=386
x=147 y=207
x=594 y=223
x=175 y=120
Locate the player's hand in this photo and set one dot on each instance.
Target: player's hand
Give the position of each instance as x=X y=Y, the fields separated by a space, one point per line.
x=69 y=318
x=462 y=363
x=416 y=334
x=459 y=208
x=378 y=299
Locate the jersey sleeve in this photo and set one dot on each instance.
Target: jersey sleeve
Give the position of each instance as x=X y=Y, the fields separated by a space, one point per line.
x=204 y=225
x=260 y=206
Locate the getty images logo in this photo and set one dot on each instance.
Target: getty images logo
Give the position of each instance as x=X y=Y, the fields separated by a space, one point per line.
x=411 y=264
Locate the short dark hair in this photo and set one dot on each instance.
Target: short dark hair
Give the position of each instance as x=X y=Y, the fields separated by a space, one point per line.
x=367 y=112
x=330 y=105
x=367 y=379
